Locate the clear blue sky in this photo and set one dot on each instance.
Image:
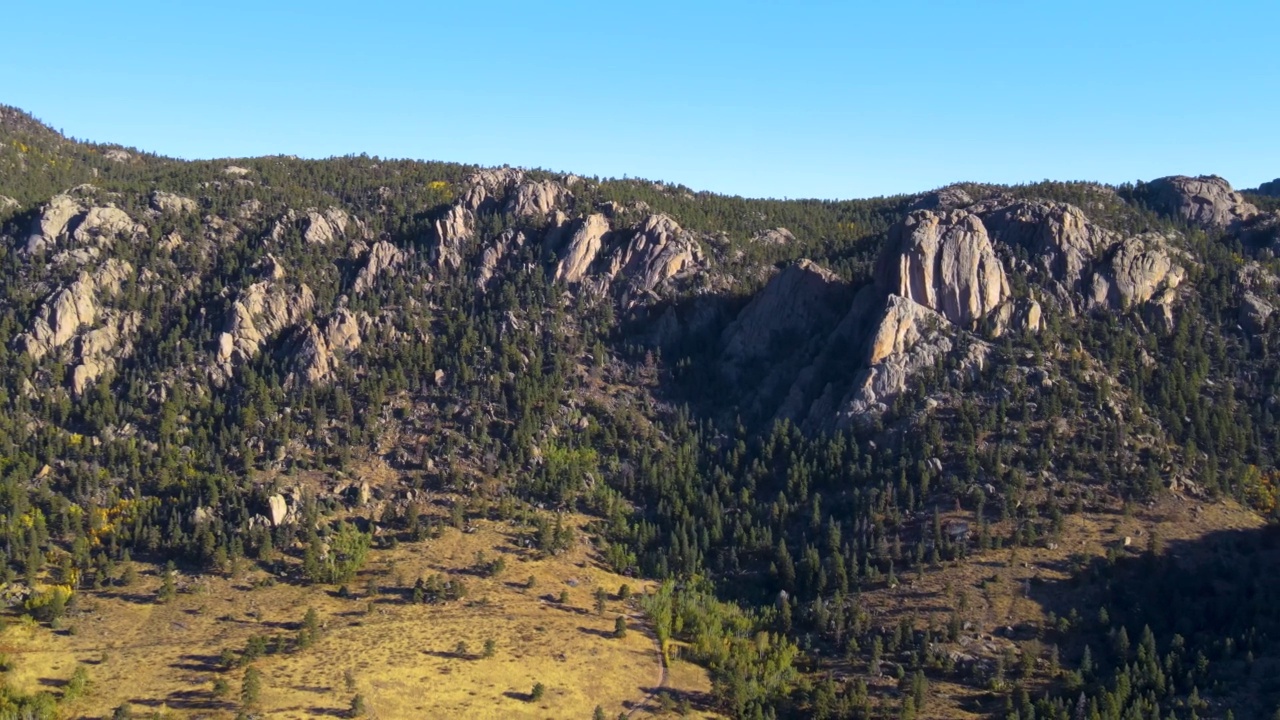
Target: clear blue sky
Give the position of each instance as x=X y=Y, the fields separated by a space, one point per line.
x=800 y=99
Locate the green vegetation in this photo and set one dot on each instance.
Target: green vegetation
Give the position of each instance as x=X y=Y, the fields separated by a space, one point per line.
x=526 y=400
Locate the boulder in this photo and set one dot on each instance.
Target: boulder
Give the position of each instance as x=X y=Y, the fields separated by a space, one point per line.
x=577 y=255
x=944 y=261
x=1207 y=201
x=278 y=509
x=7 y=203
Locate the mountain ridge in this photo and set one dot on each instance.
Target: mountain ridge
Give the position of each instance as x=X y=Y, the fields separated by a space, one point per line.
x=769 y=404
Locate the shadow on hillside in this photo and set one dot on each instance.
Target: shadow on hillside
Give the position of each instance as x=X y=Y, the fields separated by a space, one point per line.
x=1220 y=593
x=198 y=663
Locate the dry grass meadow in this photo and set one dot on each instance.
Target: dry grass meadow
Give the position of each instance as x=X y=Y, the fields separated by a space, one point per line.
x=401 y=658
x=1010 y=590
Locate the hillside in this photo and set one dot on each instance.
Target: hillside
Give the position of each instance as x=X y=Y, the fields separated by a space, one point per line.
x=915 y=456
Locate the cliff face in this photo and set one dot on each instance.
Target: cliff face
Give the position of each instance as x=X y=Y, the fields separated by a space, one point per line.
x=944 y=261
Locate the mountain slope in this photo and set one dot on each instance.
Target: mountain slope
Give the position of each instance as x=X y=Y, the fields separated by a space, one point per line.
x=785 y=406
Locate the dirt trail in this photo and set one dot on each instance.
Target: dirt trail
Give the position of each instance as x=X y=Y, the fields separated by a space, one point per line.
x=662 y=682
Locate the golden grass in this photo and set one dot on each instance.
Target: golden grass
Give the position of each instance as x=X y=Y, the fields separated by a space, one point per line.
x=994 y=583
x=401 y=655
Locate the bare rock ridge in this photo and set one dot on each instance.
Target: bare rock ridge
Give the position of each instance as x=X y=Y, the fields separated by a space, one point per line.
x=1207 y=200
x=941 y=284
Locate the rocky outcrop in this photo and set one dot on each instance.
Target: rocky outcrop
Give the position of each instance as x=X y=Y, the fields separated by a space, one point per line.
x=316 y=351
x=99 y=348
x=944 y=261
x=486 y=189
x=797 y=301
x=947 y=198
x=261 y=311
x=537 y=199
x=74 y=324
x=383 y=259
x=327 y=227
x=584 y=244
x=163 y=202
x=1058 y=237
x=52 y=222
x=1138 y=270
x=1207 y=200
x=658 y=251
x=452 y=230
x=7 y=203
x=66 y=218
x=102 y=225
x=342 y=331
x=1021 y=316
x=73 y=308
x=61 y=317
x=775 y=236
x=1254 y=313
x=909 y=339
x=508 y=242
